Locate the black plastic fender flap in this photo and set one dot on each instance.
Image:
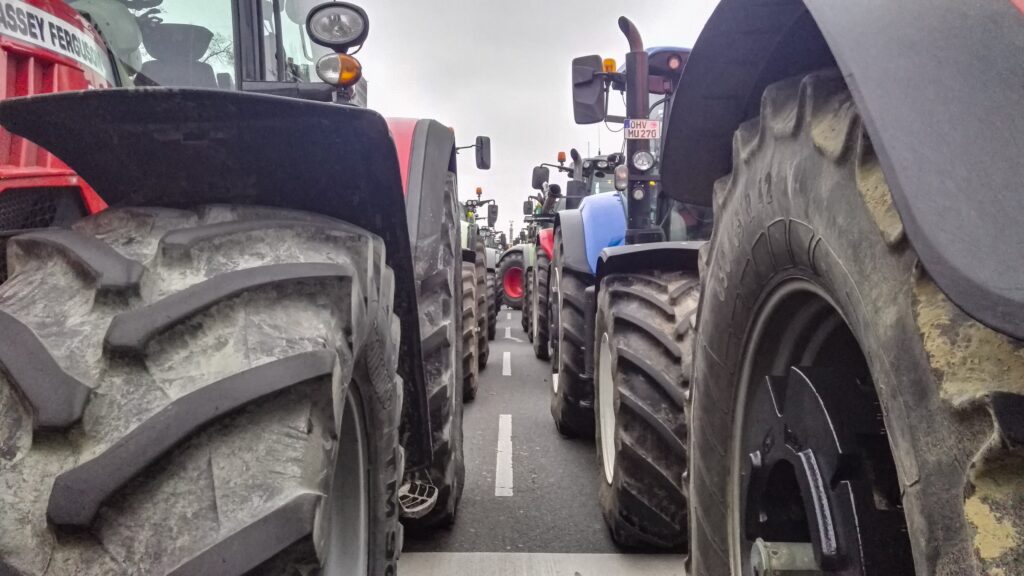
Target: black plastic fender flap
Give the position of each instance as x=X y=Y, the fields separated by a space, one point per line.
x=183 y=147
x=665 y=256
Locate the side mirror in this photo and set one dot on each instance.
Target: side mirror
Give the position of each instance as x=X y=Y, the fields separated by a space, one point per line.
x=621 y=177
x=483 y=152
x=589 y=98
x=540 y=176
x=528 y=208
x=492 y=214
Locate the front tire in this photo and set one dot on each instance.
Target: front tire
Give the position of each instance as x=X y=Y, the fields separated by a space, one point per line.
x=816 y=299
x=492 y=307
x=470 y=364
x=526 y=318
x=232 y=372
x=642 y=372
x=572 y=388
x=510 y=280
x=482 y=308
x=439 y=295
x=539 y=292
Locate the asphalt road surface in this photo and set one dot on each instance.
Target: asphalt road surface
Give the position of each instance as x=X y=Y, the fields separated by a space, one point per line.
x=530 y=502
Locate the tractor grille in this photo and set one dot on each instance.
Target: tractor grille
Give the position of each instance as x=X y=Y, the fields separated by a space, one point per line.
x=25 y=76
x=28 y=208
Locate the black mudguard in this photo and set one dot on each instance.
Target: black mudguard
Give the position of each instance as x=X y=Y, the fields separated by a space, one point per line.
x=944 y=109
x=677 y=256
x=574 y=243
x=180 y=148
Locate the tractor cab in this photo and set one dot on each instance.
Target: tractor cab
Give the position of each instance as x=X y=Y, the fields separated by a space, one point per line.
x=597 y=174
x=296 y=48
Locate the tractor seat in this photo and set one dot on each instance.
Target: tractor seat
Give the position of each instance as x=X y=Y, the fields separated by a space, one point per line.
x=177 y=49
x=194 y=74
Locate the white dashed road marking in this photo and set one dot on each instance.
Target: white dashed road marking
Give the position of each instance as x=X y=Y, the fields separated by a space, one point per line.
x=503 y=468
x=506 y=364
x=509 y=316
x=508 y=332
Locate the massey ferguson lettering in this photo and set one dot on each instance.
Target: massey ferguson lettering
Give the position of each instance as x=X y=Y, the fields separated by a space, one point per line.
x=34 y=26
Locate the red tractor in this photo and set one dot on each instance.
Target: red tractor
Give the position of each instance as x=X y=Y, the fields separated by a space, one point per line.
x=38 y=189
x=251 y=361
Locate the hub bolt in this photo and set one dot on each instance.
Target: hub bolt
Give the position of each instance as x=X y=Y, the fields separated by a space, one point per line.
x=783 y=559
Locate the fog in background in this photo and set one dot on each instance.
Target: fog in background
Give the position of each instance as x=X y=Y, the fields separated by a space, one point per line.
x=502 y=69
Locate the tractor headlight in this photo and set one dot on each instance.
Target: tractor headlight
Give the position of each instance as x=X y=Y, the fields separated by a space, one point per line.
x=643 y=160
x=337 y=25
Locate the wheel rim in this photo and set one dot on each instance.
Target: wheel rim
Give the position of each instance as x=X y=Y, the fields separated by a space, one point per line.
x=808 y=460
x=606 y=409
x=348 y=524
x=512 y=283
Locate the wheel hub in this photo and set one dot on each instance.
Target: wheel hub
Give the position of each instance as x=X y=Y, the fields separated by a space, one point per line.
x=812 y=473
x=512 y=283
x=346 y=546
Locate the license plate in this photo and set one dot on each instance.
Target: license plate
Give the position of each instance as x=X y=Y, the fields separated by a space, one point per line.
x=637 y=129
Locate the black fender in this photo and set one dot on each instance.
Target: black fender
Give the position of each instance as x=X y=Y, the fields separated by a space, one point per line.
x=518 y=248
x=943 y=110
x=674 y=256
x=183 y=147
x=574 y=243
x=431 y=157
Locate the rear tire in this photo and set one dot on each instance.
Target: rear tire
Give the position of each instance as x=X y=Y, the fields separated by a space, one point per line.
x=482 y=307
x=539 y=292
x=936 y=469
x=470 y=364
x=642 y=364
x=572 y=398
x=219 y=374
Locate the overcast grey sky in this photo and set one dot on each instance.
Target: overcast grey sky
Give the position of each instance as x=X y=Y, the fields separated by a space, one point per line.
x=501 y=69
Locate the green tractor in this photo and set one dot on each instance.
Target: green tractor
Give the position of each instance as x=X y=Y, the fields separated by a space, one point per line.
x=476 y=305
x=494 y=245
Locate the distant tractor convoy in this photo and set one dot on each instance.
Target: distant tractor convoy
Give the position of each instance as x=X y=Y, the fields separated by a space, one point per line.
x=789 y=311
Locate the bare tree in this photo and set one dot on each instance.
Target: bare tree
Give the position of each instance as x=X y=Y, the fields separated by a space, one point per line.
x=221 y=50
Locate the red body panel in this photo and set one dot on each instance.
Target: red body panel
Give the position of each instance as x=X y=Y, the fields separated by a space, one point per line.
x=401 y=132
x=546 y=239
x=26 y=70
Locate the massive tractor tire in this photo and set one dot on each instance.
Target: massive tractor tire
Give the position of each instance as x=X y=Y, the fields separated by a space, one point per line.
x=572 y=388
x=827 y=354
x=642 y=362
x=482 y=309
x=439 y=281
x=539 y=292
x=199 y=392
x=526 y=318
x=470 y=364
x=492 y=306
x=510 y=280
